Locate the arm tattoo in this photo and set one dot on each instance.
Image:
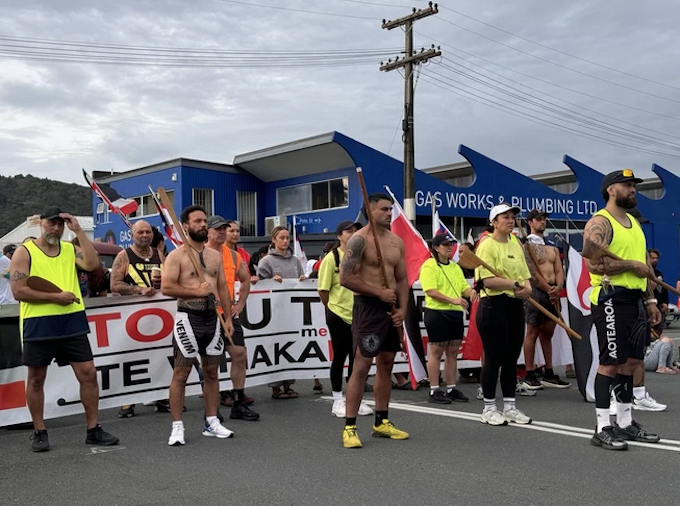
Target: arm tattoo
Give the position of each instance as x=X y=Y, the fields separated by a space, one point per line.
x=353 y=256
x=17 y=276
x=118 y=284
x=597 y=235
x=79 y=255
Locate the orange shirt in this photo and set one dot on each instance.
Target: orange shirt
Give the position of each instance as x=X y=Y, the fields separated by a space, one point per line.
x=230 y=268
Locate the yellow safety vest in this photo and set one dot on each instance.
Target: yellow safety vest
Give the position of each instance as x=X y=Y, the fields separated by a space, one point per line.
x=629 y=244
x=48 y=320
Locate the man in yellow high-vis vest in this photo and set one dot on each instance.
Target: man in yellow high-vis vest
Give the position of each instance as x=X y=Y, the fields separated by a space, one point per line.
x=623 y=306
x=54 y=325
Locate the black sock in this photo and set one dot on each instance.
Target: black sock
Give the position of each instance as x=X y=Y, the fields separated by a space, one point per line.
x=380 y=416
x=602 y=393
x=239 y=397
x=350 y=421
x=624 y=392
x=549 y=373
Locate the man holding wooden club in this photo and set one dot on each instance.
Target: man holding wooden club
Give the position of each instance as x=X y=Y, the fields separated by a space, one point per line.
x=194 y=275
x=374 y=323
x=623 y=306
x=53 y=321
x=547 y=280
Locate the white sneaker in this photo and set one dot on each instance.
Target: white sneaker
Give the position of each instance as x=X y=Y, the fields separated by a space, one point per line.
x=648 y=404
x=177 y=435
x=480 y=393
x=339 y=408
x=493 y=417
x=522 y=389
x=364 y=409
x=216 y=429
x=514 y=415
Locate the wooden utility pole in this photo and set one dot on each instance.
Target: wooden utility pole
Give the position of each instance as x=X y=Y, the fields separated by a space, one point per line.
x=407 y=62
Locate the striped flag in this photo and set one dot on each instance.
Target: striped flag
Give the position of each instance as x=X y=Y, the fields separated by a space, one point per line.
x=120 y=206
x=170 y=231
x=438 y=227
x=297 y=247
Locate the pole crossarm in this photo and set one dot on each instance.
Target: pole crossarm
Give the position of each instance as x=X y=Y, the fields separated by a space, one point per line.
x=421 y=57
x=416 y=14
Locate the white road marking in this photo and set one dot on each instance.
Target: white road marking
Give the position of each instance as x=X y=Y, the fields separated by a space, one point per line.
x=105 y=449
x=554 y=428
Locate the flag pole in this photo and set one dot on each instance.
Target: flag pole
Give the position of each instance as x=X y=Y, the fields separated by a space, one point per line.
x=378 y=251
x=199 y=272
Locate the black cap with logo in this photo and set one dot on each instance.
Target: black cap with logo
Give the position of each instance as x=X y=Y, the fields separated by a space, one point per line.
x=618 y=176
x=440 y=239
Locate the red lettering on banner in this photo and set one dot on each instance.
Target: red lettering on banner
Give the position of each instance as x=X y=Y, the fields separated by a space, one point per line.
x=101 y=328
x=131 y=325
x=323 y=332
x=12 y=395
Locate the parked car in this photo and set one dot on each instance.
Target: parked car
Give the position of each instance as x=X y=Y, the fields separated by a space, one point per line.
x=107 y=253
x=672 y=314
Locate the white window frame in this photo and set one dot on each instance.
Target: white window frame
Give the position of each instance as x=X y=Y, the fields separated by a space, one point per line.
x=140 y=208
x=310 y=183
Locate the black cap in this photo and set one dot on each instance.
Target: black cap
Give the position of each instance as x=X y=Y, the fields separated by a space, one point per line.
x=216 y=221
x=635 y=213
x=347 y=224
x=618 y=176
x=440 y=239
x=536 y=213
x=10 y=248
x=51 y=213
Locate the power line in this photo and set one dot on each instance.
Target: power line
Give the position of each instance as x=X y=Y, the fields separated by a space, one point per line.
x=523 y=114
x=559 y=50
x=558 y=64
x=305 y=11
x=627 y=106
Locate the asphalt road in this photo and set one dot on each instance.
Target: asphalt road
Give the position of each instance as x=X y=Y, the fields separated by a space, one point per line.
x=294 y=456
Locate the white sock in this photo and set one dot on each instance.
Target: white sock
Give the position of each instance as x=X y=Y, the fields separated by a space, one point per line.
x=639 y=393
x=178 y=424
x=210 y=419
x=449 y=388
x=508 y=403
x=602 y=418
x=624 y=416
x=337 y=396
x=489 y=404
x=433 y=389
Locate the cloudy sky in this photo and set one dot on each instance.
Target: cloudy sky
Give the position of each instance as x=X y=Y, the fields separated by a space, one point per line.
x=524 y=82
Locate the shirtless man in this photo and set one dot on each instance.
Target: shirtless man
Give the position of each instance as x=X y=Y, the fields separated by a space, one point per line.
x=374 y=328
x=547 y=280
x=197 y=328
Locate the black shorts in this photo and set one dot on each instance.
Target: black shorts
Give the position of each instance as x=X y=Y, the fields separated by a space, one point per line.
x=64 y=350
x=622 y=328
x=372 y=327
x=444 y=327
x=532 y=315
x=197 y=333
x=237 y=336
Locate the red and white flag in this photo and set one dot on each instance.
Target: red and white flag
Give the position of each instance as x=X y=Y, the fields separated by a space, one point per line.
x=170 y=231
x=297 y=247
x=438 y=227
x=120 y=206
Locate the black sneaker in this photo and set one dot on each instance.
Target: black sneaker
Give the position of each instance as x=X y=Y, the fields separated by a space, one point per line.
x=162 y=406
x=635 y=432
x=554 y=382
x=127 y=411
x=532 y=383
x=41 y=443
x=438 y=397
x=608 y=440
x=457 y=396
x=227 y=398
x=243 y=412
x=98 y=436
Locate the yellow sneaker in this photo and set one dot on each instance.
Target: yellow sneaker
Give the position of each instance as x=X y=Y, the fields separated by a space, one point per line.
x=387 y=429
x=350 y=438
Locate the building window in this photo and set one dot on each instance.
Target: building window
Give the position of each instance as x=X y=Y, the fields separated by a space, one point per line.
x=204 y=197
x=246 y=213
x=147 y=207
x=317 y=196
x=566 y=188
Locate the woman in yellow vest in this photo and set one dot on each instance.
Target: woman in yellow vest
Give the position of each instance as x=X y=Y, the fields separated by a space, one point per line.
x=444 y=285
x=339 y=302
x=500 y=316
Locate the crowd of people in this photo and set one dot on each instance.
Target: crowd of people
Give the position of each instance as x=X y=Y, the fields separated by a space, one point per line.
x=363 y=285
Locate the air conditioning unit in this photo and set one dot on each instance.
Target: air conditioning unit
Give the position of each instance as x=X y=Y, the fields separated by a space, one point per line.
x=271 y=222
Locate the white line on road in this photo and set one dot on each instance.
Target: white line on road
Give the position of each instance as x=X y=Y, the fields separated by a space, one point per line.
x=555 y=428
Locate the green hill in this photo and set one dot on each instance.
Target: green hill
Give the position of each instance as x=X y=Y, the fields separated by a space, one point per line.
x=22 y=196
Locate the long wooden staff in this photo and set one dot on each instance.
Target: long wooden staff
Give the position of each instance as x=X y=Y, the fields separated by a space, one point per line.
x=171 y=211
x=469 y=260
x=651 y=276
x=381 y=263
x=532 y=256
